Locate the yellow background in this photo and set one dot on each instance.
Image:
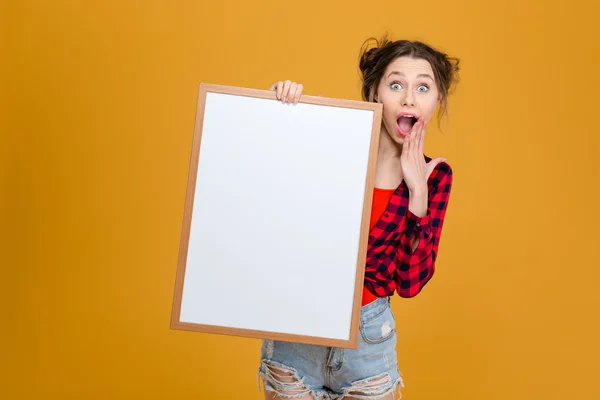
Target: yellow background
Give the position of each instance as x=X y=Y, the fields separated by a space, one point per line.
x=99 y=101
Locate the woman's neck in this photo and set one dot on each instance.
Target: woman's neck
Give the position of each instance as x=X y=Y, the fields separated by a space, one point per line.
x=388 y=174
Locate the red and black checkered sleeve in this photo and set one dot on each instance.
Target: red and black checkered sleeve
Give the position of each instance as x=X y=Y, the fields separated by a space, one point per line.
x=416 y=267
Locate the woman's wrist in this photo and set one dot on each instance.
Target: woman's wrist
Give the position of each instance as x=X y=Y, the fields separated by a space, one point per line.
x=417 y=203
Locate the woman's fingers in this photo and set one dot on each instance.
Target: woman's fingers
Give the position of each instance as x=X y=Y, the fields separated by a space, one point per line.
x=414 y=138
x=299 y=90
x=406 y=147
x=289 y=98
x=421 y=143
x=287 y=91
x=286 y=88
x=278 y=88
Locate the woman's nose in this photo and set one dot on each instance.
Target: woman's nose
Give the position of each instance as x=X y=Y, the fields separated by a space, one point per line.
x=408 y=99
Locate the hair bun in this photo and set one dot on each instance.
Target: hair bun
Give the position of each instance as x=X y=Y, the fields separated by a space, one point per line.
x=368 y=59
x=369 y=55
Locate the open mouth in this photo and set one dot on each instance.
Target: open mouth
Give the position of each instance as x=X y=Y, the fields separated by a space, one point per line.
x=405 y=123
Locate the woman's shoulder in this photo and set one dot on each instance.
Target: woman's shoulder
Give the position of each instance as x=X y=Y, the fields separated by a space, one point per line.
x=442 y=173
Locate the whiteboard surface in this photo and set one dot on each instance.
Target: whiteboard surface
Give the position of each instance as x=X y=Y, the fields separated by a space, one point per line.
x=270 y=247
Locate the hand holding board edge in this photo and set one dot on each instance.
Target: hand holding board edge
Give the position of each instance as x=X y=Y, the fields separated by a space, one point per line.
x=276 y=218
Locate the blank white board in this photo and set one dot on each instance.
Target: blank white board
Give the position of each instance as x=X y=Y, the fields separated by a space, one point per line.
x=276 y=218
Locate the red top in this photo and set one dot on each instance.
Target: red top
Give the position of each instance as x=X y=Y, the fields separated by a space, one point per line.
x=391 y=264
x=381 y=198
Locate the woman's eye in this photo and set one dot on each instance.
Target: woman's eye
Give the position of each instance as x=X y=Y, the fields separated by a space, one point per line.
x=423 y=88
x=396 y=86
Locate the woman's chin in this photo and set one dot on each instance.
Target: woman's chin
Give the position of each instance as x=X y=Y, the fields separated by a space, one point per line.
x=396 y=137
x=400 y=136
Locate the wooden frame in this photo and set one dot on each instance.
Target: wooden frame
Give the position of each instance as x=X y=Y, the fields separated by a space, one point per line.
x=176 y=323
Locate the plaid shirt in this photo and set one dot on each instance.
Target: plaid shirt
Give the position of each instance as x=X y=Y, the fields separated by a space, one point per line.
x=391 y=263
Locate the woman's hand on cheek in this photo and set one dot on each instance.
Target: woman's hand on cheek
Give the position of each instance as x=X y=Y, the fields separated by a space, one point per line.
x=415 y=170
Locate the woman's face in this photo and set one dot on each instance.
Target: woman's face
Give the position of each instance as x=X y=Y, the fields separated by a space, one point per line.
x=408 y=92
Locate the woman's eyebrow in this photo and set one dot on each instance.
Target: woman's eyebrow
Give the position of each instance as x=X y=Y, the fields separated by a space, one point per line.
x=418 y=76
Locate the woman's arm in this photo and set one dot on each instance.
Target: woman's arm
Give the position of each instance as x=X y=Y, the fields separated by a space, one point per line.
x=418 y=247
x=417 y=205
x=429 y=185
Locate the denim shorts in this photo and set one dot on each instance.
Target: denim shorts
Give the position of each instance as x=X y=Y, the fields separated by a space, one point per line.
x=370 y=372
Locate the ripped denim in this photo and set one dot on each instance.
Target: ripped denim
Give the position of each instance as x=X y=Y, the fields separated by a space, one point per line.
x=293 y=371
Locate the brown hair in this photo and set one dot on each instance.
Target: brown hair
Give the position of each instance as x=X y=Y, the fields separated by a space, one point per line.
x=374 y=61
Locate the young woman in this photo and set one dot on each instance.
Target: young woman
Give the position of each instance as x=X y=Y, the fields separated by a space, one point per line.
x=411 y=80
